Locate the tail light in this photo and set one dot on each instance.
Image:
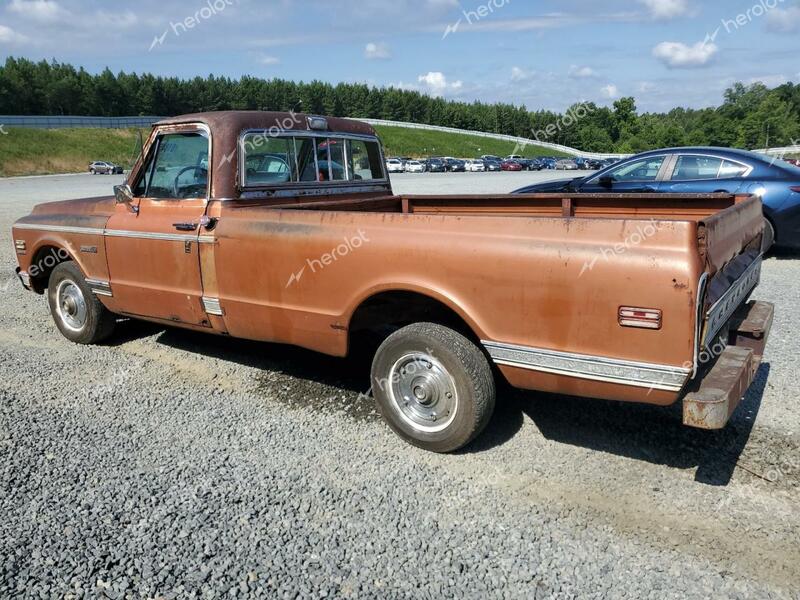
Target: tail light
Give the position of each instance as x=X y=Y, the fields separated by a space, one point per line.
x=644 y=318
x=795 y=188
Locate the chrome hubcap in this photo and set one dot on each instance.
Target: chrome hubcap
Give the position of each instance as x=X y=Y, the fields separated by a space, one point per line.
x=71 y=305
x=423 y=392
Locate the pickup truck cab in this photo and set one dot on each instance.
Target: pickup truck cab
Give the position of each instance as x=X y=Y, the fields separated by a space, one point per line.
x=283 y=227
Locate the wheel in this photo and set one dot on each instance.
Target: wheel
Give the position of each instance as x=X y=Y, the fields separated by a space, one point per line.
x=769 y=235
x=433 y=387
x=78 y=313
x=92 y=172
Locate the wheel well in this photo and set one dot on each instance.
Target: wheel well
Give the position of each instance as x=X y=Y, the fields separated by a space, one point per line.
x=389 y=311
x=42 y=264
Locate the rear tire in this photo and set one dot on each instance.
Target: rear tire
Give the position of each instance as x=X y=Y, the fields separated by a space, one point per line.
x=433 y=386
x=769 y=235
x=77 y=312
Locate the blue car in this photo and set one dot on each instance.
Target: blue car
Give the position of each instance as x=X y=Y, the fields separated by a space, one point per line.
x=702 y=170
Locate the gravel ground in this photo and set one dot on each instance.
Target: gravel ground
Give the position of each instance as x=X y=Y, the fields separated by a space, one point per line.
x=170 y=464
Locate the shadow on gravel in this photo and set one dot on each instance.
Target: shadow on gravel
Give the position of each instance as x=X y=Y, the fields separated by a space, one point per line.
x=784 y=254
x=348 y=378
x=639 y=431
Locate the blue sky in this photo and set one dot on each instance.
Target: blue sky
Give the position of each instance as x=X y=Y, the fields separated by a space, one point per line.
x=544 y=54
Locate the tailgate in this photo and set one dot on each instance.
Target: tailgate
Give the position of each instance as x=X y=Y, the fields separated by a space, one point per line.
x=730 y=245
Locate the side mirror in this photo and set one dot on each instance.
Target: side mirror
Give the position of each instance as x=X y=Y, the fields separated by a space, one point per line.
x=123 y=194
x=606 y=182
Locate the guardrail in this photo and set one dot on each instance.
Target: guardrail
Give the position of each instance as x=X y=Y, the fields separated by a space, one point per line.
x=498 y=136
x=780 y=151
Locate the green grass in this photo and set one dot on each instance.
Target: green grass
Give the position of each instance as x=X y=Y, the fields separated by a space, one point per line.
x=45 y=151
x=418 y=143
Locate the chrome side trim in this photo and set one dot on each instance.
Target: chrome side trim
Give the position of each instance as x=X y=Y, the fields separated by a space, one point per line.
x=724 y=308
x=25 y=278
x=213 y=307
x=206 y=239
x=594 y=368
x=149 y=235
x=59 y=228
x=100 y=287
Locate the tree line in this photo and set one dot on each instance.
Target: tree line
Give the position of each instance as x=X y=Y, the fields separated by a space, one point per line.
x=751 y=116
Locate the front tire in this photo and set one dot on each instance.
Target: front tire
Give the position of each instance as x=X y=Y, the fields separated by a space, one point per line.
x=77 y=312
x=433 y=386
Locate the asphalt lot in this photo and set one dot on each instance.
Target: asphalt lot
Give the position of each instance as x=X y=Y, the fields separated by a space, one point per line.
x=171 y=464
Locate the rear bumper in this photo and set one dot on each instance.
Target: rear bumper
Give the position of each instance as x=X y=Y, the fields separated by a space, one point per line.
x=715 y=395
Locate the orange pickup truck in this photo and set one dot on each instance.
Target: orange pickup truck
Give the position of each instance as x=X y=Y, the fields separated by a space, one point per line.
x=283 y=227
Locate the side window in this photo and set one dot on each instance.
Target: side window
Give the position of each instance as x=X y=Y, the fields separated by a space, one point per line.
x=365 y=160
x=732 y=169
x=177 y=168
x=641 y=170
x=268 y=160
x=696 y=167
x=330 y=160
x=306 y=154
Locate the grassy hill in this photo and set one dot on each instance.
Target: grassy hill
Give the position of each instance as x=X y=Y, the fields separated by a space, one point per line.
x=45 y=151
x=417 y=143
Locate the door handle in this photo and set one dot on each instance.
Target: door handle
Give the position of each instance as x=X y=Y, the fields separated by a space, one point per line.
x=185 y=226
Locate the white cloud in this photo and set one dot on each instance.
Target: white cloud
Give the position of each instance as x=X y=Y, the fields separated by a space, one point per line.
x=663 y=10
x=769 y=80
x=680 y=56
x=519 y=74
x=269 y=60
x=436 y=83
x=610 y=91
x=581 y=72
x=9 y=36
x=646 y=87
x=47 y=11
x=377 y=51
x=784 y=21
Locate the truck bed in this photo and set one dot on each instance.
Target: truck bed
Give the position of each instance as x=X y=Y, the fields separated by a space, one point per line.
x=682 y=207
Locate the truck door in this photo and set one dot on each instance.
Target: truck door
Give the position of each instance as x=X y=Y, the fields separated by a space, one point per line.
x=152 y=244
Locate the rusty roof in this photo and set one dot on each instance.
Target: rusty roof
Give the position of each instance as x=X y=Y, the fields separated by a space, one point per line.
x=239 y=120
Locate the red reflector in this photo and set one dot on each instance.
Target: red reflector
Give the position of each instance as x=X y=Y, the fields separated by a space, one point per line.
x=644 y=318
x=795 y=188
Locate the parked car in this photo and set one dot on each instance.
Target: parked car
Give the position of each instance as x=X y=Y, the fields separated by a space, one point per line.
x=394 y=165
x=492 y=165
x=516 y=157
x=415 y=166
x=702 y=170
x=593 y=164
x=435 y=165
x=548 y=162
x=474 y=165
x=492 y=157
x=511 y=165
x=454 y=165
x=101 y=167
x=566 y=164
x=320 y=265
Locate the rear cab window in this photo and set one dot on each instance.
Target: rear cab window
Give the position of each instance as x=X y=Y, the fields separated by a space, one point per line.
x=268 y=160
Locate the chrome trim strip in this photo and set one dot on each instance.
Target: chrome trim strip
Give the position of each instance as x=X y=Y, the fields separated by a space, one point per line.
x=594 y=368
x=25 y=278
x=150 y=235
x=723 y=309
x=100 y=287
x=213 y=307
x=59 y=228
x=206 y=239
